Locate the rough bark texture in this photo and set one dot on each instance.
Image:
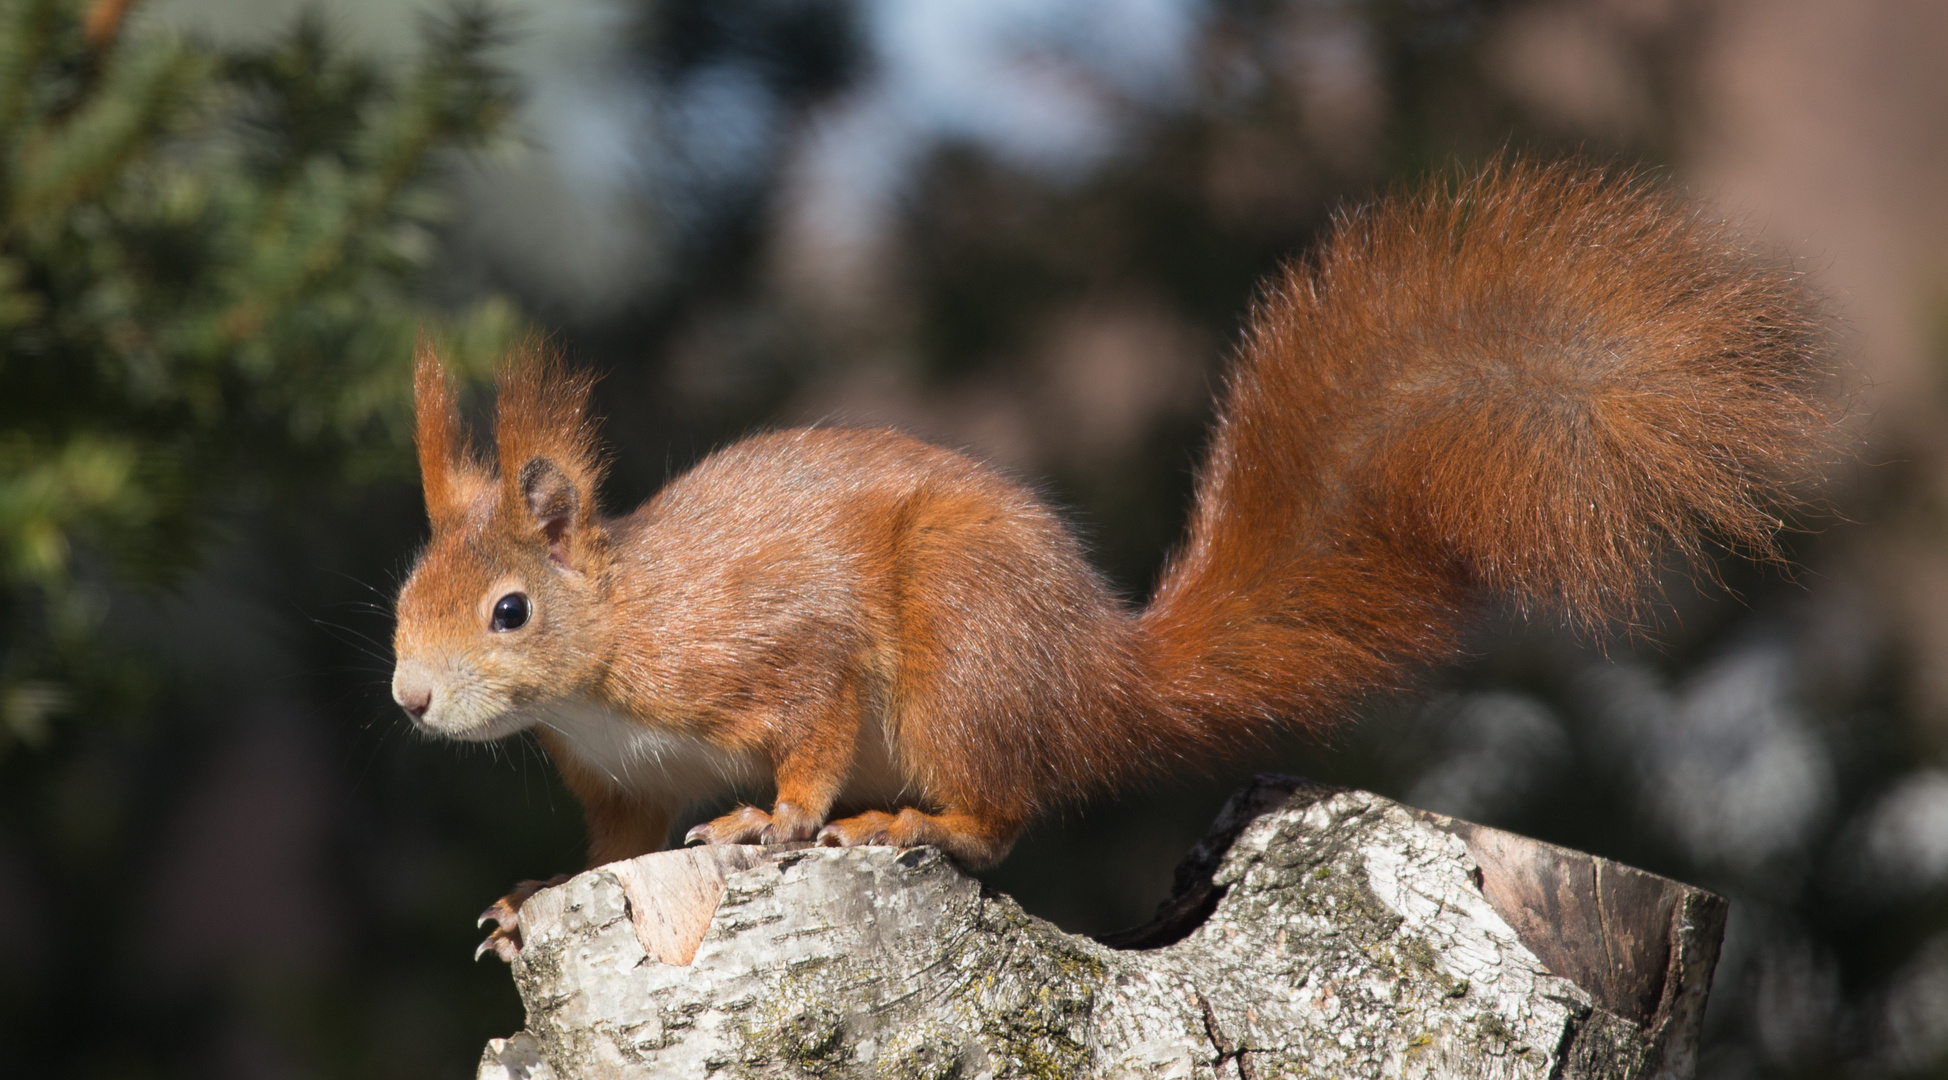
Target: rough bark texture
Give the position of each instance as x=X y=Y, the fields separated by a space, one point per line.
x=1315 y=932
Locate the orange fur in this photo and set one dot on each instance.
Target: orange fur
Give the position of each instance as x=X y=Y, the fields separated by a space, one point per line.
x=1533 y=383
x=448 y=472
x=1528 y=384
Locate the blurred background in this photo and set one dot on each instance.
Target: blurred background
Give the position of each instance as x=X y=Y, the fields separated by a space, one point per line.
x=1030 y=228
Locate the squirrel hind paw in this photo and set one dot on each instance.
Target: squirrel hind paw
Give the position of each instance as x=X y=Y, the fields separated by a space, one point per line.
x=871 y=827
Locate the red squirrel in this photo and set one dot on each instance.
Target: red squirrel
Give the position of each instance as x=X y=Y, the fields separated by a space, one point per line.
x=1532 y=384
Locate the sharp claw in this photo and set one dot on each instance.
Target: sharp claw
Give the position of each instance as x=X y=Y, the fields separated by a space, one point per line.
x=500 y=912
x=502 y=943
x=698 y=835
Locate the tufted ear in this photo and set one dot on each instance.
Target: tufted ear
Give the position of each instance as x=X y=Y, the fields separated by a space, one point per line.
x=552 y=503
x=550 y=463
x=450 y=475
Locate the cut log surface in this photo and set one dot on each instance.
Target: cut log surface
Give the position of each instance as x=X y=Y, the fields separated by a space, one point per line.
x=1316 y=932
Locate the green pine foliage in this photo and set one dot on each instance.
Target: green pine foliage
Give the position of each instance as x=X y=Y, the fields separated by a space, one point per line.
x=208 y=268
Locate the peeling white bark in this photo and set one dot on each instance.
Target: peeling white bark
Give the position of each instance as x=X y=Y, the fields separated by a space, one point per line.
x=1316 y=932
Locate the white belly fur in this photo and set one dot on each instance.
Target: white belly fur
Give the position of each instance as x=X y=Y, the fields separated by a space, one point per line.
x=657 y=765
x=677 y=770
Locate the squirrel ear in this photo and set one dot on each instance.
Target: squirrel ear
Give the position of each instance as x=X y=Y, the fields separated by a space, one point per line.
x=549 y=461
x=452 y=479
x=552 y=502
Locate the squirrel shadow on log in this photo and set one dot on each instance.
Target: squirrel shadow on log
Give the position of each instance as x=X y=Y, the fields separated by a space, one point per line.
x=1315 y=931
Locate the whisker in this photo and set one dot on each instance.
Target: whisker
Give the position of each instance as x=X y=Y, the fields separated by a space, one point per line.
x=354 y=579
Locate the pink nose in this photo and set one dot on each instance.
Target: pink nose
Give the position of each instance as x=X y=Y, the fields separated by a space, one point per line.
x=415 y=700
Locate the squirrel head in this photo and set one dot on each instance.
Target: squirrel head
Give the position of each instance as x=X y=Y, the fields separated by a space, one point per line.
x=503 y=608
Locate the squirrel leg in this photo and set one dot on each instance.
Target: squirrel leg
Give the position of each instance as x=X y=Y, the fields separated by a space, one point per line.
x=505 y=913
x=790 y=819
x=619 y=827
x=805 y=796
x=809 y=774
x=975 y=841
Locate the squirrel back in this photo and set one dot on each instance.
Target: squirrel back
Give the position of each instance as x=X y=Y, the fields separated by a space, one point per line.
x=1532 y=384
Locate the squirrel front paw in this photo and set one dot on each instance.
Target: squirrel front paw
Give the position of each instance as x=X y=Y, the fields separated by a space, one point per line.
x=973 y=840
x=749 y=825
x=505 y=913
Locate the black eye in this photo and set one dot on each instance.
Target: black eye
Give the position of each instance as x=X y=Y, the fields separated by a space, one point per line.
x=510 y=612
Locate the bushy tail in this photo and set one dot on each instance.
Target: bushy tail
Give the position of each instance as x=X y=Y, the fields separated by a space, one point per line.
x=1535 y=383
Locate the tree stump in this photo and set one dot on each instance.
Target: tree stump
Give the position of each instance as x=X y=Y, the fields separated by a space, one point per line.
x=1315 y=932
